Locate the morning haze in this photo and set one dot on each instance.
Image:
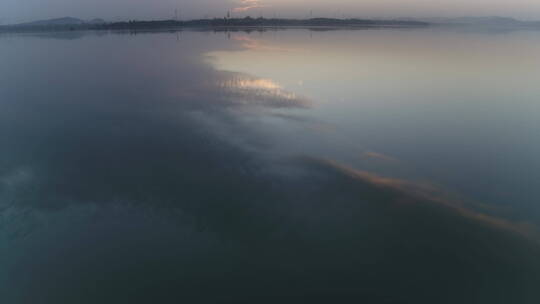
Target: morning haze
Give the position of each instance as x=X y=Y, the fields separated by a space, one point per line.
x=13 y=11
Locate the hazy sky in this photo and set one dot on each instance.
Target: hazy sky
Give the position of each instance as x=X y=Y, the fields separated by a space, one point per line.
x=23 y=10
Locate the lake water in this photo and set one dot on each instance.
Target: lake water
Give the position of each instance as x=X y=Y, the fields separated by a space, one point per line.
x=289 y=166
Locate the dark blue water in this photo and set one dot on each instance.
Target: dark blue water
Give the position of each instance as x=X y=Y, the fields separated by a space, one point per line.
x=371 y=166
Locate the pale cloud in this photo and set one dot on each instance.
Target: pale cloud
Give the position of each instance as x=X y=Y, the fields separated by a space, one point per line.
x=246 y=5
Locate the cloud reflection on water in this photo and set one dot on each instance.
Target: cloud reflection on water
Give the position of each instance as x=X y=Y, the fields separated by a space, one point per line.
x=145 y=184
x=265 y=92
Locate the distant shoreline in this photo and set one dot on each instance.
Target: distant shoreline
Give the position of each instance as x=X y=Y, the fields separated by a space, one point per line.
x=263 y=24
x=219 y=24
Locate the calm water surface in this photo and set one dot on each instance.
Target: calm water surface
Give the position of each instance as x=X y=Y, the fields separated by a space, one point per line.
x=381 y=166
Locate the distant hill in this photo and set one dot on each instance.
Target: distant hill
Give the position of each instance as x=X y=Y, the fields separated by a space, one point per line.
x=58 y=22
x=489 y=21
x=53 y=22
x=486 y=20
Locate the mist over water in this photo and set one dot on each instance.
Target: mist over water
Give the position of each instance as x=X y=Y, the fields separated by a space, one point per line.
x=378 y=166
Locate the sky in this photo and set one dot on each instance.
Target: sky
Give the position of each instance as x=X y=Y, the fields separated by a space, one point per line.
x=12 y=11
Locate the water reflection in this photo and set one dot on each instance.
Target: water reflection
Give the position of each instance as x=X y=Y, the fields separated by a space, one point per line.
x=253 y=91
x=456 y=108
x=150 y=175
